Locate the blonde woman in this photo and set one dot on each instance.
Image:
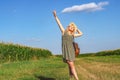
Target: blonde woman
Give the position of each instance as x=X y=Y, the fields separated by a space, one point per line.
x=68 y=52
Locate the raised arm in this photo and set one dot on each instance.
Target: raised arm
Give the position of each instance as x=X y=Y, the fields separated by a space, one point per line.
x=58 y=22
x=78 y=33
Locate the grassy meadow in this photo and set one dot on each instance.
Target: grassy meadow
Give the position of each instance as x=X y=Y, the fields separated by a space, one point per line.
x=104 y=65
x=52 y=68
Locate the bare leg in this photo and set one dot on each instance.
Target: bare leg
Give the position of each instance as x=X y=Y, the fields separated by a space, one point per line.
x=70 y=72
x=72 y=69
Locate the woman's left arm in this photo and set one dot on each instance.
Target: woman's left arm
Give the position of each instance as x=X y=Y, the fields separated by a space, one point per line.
x=78 y=33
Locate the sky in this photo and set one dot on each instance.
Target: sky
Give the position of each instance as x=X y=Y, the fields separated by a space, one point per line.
x=31 y=23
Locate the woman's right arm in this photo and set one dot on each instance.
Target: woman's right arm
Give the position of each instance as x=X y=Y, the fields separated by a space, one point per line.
x=78 y=34
x=58 y=22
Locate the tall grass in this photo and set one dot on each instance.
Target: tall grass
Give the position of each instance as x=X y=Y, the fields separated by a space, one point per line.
x=15 y=52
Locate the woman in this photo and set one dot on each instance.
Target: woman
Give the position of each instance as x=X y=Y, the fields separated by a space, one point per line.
x=68 y=52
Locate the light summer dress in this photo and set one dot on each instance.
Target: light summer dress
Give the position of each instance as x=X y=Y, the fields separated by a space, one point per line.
x=68 y=51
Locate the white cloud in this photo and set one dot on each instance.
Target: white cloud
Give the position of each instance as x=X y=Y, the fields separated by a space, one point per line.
x=89 y=7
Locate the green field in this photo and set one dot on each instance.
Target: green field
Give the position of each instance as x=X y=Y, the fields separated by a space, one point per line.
x=19 y=62
x=52 y=68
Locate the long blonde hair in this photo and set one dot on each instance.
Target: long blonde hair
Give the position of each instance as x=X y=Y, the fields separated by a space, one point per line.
x=75 y=27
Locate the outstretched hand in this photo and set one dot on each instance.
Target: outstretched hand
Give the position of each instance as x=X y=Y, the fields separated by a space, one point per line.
x=54 y=13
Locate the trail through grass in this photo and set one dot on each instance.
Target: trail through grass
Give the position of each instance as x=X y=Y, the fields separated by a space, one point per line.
x=99 y=68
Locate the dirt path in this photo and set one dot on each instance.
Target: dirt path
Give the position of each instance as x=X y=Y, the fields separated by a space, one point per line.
x=86 y=74
x=91 y=70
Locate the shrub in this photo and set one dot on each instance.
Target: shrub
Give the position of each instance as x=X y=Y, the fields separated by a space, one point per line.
x=102 y=53
x=108 y=53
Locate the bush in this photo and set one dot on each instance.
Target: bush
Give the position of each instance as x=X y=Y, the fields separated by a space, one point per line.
x=102 y=53
x=108 y=53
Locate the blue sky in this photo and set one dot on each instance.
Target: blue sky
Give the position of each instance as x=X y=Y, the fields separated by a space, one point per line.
x=31 y=23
